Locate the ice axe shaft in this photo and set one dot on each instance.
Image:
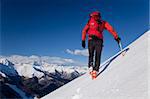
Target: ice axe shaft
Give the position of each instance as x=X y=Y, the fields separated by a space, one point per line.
x=121 y=49
x=120 y=46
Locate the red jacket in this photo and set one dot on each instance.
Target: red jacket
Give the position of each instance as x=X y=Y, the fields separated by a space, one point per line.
x=93 y=28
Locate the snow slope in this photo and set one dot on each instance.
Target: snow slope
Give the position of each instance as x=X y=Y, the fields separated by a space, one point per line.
x=126 y=77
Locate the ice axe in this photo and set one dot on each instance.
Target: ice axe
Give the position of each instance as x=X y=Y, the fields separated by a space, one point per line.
x=120 y=46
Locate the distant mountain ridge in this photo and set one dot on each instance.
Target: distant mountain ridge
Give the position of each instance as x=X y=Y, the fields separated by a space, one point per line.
x=16 y=59
x=24 y=64
x=28 y=77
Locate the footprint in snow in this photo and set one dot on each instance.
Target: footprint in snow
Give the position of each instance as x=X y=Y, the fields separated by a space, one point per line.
x=77 y=95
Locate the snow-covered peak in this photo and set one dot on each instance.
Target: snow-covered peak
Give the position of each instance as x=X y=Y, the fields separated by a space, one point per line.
x=34 y=57
x=8 y=69
x=5 y=61
x=26 y=65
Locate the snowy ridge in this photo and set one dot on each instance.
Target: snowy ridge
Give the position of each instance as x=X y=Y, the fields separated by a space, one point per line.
x=126 y=77
x=18 y=59
x=7 y=68
x=24 y=78
x=25 y=66
x=5 y=61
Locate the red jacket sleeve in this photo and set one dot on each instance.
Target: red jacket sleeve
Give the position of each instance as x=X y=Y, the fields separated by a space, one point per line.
x=110 y=29
x=84 y=31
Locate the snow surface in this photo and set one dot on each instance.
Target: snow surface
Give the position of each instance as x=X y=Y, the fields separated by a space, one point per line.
x=126 y=77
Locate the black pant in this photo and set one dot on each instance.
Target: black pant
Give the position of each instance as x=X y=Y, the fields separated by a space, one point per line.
x=95 y=47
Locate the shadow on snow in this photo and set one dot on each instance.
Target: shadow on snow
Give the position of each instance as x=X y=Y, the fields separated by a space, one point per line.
x=106 y=64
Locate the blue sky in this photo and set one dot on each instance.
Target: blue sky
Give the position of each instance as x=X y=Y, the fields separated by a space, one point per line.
x=50 y=27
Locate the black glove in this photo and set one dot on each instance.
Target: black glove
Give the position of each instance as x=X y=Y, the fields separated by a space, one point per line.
x=83 y=44
x=118 y=40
